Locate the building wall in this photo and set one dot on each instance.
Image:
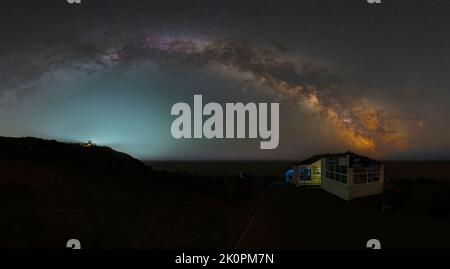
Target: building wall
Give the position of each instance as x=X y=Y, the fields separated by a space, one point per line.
x=367 y=189
x=339 y=189
x=351 y=190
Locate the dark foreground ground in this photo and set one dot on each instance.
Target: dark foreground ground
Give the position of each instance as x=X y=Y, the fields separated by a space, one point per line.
x=42 y=209
x=289 y=217
x=42 y=206
x=51 y=192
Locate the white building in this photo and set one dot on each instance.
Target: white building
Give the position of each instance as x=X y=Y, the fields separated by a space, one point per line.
x=346 y=175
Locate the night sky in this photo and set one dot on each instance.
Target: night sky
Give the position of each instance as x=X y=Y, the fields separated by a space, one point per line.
x=348 y=75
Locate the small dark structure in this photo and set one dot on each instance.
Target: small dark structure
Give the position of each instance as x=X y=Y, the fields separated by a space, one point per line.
x=346 y=175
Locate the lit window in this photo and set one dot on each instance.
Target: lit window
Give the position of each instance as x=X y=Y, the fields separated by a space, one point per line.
x=305 y=174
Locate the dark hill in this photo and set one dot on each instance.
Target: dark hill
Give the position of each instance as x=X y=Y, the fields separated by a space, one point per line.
x=41 y=150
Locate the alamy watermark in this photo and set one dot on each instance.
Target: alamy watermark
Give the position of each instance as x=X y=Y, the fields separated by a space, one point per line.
x=238 y=119
x=73 y=244
x=373 y=244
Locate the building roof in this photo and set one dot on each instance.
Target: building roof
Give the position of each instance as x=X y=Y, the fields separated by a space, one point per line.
x=312 y=159
x=317 y=157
